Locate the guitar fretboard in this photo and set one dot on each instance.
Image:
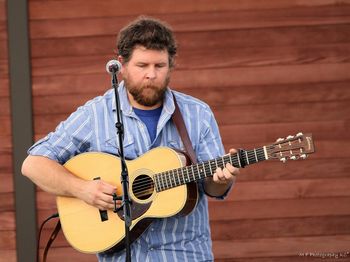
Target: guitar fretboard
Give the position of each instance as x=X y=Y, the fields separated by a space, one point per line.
x=187 y=174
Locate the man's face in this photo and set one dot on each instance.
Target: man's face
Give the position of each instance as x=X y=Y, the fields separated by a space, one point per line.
x=146 y=76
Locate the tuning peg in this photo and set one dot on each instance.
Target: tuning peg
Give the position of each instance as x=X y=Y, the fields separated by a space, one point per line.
x=290 y=137
x=279 y=140
x=293 y=157
x=283 y=159
x=303 y=156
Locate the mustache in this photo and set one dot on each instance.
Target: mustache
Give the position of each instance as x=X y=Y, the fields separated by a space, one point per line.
x=151 y=86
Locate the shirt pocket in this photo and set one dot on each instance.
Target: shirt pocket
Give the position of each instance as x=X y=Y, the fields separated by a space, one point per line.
x=178 y=145
x=112 y=147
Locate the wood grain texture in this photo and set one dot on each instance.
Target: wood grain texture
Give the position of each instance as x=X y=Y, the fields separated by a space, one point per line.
x=7 y=208
x=189 y=41
x=232 y=210
x=6 y=185
x=202 y=59
x=8 y=255
x=81 y=9
x=280 y=227
x=185 y=22
x=278 y=76
x=271 y=247
x=267 y=68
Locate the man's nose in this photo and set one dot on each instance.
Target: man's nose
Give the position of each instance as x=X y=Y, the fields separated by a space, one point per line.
x=151 y=73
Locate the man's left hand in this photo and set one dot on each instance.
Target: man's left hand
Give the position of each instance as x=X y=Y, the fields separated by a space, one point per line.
x=228 y=174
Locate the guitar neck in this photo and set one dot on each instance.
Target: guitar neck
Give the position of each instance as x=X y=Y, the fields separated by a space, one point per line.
x=187 y=174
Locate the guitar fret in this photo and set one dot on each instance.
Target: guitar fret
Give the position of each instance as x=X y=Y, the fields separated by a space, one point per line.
x=158 y=182
x=262 y=154
x=197 y=170
x=194 y=177
x=174 y=179
x=247 y=157
x=166 y=179
x=238 y=160
x=211 y=171
x=182 y=172
x=170 y=179
x=161 y=176
x=188 y=175
x=205 y=173
x=180 y=176
x=223 y=161
x=162 y=180
x=256 y=157
x=216 y=163
x=265 y=152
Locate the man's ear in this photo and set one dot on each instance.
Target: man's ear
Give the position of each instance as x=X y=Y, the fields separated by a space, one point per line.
x=172 y=63
x=120 y=59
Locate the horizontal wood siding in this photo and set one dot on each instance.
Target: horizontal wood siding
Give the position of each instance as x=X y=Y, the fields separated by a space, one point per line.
x=267 y=68
x=7 y=207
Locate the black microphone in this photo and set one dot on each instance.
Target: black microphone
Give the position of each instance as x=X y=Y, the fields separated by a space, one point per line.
x=113 y=66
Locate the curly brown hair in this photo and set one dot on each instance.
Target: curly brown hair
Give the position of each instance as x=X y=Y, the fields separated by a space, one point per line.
x=148 y=32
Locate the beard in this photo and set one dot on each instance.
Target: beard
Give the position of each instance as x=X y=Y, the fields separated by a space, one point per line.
x=148 y=94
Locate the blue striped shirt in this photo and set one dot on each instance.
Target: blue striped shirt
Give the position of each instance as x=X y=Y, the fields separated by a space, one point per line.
x=91 y=128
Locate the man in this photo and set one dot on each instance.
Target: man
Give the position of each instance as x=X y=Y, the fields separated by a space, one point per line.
x=146 y=49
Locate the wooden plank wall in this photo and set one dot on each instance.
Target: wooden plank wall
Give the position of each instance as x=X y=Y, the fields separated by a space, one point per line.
x=268 y=69
x=7 y=209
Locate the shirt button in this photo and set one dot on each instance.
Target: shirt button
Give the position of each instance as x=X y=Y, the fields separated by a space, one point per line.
x=151 y=249
x=152 y=229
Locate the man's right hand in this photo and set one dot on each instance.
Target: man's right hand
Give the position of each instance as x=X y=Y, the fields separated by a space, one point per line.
x=99 y=193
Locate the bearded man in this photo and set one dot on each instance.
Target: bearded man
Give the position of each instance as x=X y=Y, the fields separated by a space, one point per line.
x=146 y=49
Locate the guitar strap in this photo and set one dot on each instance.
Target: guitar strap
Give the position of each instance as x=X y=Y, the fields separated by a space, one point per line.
x=181 y=128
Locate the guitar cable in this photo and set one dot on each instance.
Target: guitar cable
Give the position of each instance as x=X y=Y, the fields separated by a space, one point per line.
x=51 y=239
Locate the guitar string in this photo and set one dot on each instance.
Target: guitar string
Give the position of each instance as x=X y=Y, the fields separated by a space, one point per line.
x=196 y=167
x=142 y=186
x=196 y=172
x=167 y=179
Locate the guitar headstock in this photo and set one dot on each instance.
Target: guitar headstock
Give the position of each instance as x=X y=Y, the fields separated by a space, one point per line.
x=291 y=147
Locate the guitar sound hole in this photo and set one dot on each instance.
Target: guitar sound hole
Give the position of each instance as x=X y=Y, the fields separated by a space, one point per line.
x=143 y=187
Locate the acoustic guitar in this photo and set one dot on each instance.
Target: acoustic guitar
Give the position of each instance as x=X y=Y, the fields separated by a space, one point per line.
x=161 y=184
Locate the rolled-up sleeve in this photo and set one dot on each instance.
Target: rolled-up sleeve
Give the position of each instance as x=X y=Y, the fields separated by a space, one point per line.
x=70 y=138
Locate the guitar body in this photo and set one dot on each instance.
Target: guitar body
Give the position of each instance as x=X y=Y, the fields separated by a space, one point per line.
x=89 y=231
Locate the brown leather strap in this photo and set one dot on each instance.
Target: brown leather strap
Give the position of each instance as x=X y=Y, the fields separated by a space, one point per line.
x=181 y=128
x=52 y=238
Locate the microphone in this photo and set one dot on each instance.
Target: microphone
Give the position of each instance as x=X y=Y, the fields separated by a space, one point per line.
x=113 y=66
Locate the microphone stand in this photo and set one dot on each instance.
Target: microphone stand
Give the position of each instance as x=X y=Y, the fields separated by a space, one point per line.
x=124 y=171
